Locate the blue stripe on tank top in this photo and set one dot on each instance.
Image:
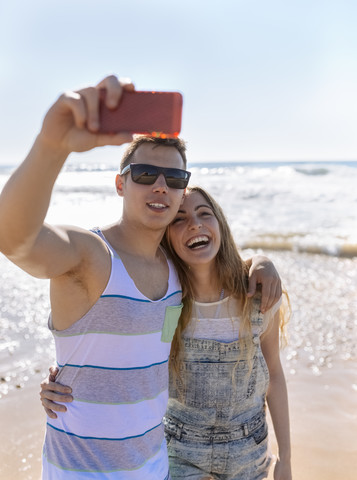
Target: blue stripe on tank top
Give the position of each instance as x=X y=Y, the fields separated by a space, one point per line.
x=103 y=438
x=111 y=368
x=139 y=299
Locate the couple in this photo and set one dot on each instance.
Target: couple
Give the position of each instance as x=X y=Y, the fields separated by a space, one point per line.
x=115 y=304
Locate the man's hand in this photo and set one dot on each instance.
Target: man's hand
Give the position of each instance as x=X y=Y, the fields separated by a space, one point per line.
x=262 y=271
x=52 y=392
x=72 y=123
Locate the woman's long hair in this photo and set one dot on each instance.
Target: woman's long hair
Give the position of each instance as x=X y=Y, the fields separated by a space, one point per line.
x=231 y=275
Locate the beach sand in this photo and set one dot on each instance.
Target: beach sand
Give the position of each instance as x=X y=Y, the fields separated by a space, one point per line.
x=319 y=363
x=323 y=427
x=323 y=416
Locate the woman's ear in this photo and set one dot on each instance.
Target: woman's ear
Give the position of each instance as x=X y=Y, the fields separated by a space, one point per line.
x=119 y=184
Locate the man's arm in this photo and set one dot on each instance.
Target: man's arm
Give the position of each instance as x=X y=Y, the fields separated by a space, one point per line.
x=263 y=272
x=71 y=125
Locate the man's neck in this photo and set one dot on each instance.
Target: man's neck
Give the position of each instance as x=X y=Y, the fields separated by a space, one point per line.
x=142 y=258
x=127 y=238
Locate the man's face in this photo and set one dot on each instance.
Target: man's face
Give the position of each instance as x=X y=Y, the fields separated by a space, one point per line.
x=152 y=206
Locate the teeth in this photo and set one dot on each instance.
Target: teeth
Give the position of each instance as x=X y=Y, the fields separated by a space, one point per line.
x=203 y=239
x=157 y=205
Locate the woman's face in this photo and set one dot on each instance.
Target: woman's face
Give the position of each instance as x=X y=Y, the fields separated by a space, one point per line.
x=194 y=233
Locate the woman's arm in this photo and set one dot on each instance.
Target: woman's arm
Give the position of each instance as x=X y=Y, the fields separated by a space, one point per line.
x=52 y=392
x=277 y=399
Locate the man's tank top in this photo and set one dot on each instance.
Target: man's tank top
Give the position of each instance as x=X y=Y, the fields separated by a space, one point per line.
x=115 y=358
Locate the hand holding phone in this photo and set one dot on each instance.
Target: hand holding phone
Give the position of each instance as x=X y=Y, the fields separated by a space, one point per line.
x=150 y=113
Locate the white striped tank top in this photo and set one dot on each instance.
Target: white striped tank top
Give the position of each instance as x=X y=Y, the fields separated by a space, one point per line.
x=115 y=358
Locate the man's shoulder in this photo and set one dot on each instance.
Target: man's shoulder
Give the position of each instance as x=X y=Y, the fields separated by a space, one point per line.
x=87 y=243
x=79 y=234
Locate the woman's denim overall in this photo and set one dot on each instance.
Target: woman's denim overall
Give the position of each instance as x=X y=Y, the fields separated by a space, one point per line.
x=219 y=428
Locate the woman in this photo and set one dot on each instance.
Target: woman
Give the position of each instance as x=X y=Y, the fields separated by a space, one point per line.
x=224 y=362
x=222 y=357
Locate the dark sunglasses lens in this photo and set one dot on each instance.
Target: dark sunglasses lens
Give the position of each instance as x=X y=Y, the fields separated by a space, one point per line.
x=148 y=174
x=144 y=174
x=176 y=178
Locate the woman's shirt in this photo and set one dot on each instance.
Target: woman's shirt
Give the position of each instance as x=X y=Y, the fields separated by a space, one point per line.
x=220 y=320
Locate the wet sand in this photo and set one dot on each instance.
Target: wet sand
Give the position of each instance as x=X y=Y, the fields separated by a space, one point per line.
x=22 y=433
x=323 y=414
x=320 y=366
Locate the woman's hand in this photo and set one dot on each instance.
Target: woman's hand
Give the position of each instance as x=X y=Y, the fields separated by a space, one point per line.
x=282 y=470
x=52 y=392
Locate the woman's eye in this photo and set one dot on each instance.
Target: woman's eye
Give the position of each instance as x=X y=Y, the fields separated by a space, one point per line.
x=176 y=220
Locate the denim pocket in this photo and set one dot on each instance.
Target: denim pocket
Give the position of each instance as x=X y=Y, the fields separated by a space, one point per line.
x=261 y=433
x=172 y=316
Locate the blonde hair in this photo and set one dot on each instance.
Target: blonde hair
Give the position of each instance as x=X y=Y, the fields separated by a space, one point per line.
x=232 y=276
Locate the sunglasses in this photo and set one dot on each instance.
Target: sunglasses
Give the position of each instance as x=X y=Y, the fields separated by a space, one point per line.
x=148 y=174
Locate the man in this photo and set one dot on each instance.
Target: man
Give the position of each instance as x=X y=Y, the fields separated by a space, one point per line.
x=115 y=299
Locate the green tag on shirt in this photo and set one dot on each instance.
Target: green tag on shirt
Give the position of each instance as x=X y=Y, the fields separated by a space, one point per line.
x=172 y=316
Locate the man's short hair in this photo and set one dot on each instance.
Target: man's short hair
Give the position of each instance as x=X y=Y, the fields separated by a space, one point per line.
x=177 y=143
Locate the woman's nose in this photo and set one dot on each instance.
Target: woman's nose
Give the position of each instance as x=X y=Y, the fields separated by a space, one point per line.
x=195 y=223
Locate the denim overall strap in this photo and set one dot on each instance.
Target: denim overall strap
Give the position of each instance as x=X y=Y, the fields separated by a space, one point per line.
x=218 y=427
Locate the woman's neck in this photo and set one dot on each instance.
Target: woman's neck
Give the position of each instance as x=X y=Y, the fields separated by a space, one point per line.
x=206 y=285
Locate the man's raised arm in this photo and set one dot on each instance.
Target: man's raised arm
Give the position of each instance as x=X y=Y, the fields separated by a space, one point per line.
x=70 y=125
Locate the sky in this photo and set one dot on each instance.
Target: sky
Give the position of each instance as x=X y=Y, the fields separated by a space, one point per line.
x=261 y=80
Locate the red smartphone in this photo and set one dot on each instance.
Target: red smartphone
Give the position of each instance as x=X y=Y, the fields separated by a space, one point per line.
x=151 y=113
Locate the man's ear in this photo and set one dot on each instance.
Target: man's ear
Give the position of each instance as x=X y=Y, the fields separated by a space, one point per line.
x=119 y=184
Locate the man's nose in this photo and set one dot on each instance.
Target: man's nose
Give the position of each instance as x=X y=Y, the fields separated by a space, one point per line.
x=160 y=184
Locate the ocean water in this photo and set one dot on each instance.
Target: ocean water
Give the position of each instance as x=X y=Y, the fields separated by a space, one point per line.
x=303 y=215
x=301 y=207
x=294 y=206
